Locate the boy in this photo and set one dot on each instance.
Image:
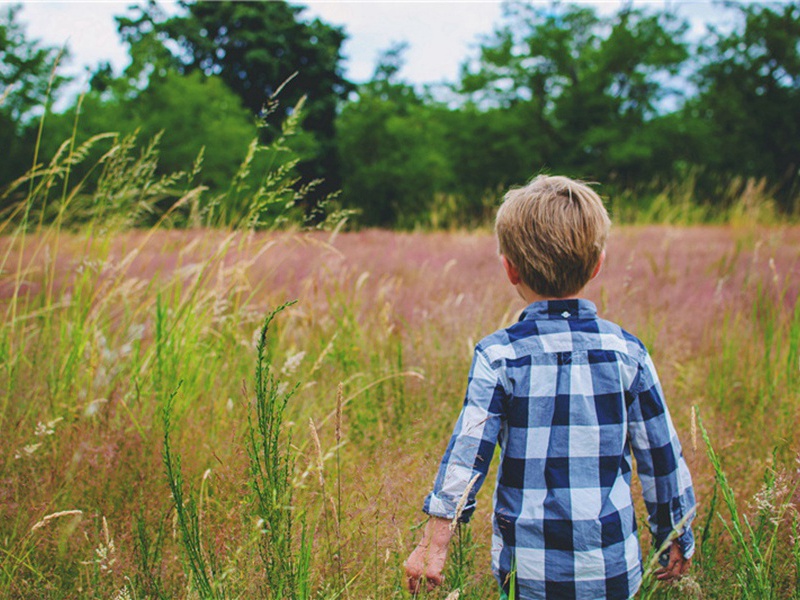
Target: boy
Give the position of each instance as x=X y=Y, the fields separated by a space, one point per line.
x=567 y=396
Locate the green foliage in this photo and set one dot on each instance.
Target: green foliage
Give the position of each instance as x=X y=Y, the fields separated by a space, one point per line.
x=605 y=98
x=28 y=79
x=255 y=48
x=119 y=181
x=265 y=187
x=200 y=563
x=676 y=131
x=758 y=561
x=271 y=472
x=26 y=70
x=149 y=556
x=391 y=144
x=195 y=111
x=461 y=562
x=746 y=110
x=591 y=86
x=286 y=559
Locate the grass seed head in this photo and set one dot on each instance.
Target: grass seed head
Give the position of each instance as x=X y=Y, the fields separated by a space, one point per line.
x=462 y=502
x=318 y=447
x=47 y=518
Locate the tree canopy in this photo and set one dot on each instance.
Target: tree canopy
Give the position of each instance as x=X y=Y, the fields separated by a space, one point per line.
x=27 y=74
x=629 y=98
x=748 y=107
x=259 y=49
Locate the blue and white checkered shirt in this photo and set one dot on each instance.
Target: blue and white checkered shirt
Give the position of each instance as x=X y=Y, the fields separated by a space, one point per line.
x=567 y=396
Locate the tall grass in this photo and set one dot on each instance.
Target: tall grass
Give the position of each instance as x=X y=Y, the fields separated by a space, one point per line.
x=271 y=473
x=202 y=568
x=114 y=480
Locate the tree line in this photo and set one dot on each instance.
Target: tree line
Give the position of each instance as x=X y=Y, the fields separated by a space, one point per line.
x=630 y=100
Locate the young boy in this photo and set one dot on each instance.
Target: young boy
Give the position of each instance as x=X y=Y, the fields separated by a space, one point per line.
x=568 y=397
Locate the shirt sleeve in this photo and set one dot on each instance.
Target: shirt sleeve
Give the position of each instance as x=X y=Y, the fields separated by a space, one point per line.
x=666 y=482
x=472 y=444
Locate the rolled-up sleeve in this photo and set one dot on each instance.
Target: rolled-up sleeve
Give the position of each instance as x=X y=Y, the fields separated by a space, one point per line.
x=472 y=444
x=666 y=482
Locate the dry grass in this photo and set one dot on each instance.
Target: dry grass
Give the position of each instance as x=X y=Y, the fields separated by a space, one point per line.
x=391 y=317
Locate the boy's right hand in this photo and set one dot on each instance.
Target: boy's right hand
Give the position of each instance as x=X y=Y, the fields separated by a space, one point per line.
x=428 y=558
x=677 y=566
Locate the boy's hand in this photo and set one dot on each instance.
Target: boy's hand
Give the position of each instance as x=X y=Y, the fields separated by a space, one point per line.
x=427 y=560
x=677 y=566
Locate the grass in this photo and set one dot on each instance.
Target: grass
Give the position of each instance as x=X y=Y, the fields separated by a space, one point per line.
x=375 y=352
x=217 y=413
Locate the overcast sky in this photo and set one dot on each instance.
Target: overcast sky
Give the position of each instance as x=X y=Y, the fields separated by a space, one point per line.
x=440 y=34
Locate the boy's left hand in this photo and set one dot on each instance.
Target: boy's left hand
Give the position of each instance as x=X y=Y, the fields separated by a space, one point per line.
x=676 y=567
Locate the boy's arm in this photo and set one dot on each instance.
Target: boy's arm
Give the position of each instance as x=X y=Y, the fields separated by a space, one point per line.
x=466 y=460
x=666 y=482
x=462 y=470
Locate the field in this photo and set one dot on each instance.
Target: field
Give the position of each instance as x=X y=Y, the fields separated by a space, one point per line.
x=144 y=456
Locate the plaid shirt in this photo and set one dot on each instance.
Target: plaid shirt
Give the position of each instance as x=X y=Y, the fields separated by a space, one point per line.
x=567 y=396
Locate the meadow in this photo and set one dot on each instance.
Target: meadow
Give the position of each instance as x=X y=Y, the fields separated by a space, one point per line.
x=159 y=442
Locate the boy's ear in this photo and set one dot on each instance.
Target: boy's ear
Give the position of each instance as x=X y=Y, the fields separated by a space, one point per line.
x=511 y=271
x=599 y=266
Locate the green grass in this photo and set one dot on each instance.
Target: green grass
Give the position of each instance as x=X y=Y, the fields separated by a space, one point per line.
x=175 y=427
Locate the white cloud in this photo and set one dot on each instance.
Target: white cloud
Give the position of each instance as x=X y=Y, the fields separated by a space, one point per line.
x=87 y=28
x=440 y=34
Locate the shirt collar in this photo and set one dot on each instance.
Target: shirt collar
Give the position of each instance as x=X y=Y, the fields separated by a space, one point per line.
x=577 y=308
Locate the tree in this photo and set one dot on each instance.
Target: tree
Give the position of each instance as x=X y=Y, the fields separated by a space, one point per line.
x=257 y=49
x=392 y=147
x=591 y=85
x=749 y=96
x=27 y=74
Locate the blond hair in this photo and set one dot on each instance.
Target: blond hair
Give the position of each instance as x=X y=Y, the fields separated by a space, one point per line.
x=553 y=231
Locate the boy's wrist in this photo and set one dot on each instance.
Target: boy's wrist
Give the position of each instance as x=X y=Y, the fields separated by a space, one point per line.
x=684 y=541
x=437 y=532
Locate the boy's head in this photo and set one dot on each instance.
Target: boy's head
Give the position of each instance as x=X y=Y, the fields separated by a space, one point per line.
x=553 y=231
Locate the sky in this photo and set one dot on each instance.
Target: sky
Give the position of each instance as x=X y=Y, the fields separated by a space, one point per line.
x=440 y=34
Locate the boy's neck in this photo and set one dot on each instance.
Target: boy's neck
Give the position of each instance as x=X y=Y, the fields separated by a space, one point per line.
x=530 y=296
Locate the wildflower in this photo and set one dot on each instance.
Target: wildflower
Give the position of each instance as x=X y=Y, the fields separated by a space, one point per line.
x=262 y=527
x=291 y=364
x=135 y=331
x=772 y=500
x=43 y=429
x=123 y=594
x=94 y=406
x=105 y=553
x=27 y=451
x=688 y=587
